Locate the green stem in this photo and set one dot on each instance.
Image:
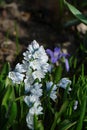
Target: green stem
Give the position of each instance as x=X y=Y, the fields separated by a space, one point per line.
x=17 y=99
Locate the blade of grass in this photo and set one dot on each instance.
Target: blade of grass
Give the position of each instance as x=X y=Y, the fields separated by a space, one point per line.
x=83 y=110
x=58 y=114
x=76 y=12
x=66 y=125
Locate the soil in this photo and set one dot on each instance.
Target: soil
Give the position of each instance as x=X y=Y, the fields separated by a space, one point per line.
x=19 y=26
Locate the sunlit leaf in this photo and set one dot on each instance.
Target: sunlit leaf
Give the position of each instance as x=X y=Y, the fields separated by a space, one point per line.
x=76 y=13
x=6 y=97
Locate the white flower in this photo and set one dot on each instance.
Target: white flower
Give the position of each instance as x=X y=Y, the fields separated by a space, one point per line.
x=16 y=77
x=49 y=85
x=36 y=109
x=37 y=58
x=51 y=88
x=38 y=65
x=30 y=48
x=64 y=82
x=53 y=95
x=50 y=67
x=28 y=82
x=45 y=67
x=33 y=46
x=36 y=90
x=27 y=85
x=27 y=56
x=19 y=68
x=25 y=65
x=35 y=64
x=41 y=54
x=29 y=72
x=30 y=100
x=38 y=74
x=30 y=121
x=75 y=105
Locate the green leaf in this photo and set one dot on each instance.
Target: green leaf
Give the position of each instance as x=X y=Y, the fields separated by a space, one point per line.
x=12 y=110
x=12 y=113
x=76 y=13
x=6 y=97
x=10 y=105
x=35 y=122
x=66 y=124
x=57 y=74
x=40 y=126
x=4 y=71
x=82 y=113
x=58 y=114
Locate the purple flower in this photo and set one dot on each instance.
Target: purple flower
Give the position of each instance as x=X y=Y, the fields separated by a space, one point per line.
x=66 y=64
x=57 y=55
x=65 y=60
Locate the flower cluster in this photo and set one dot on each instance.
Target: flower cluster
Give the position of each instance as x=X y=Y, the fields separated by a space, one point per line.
x=32 y=71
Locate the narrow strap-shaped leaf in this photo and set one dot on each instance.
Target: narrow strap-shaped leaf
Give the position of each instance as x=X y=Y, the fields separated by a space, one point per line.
x=83 y=110
x=6 y=97
x=35 y=122
x=76 y=13
x=58 y=114
x=66 y=125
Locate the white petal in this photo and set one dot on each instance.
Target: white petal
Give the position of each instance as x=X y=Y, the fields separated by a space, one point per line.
x=35 y=64
x=29 y=100
x=29 y=120
x=35 y=45
x=39 y=74
x=36 y=109
x=64 y=82
x=16 y=77
x=19 y=68
x=36 y=90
